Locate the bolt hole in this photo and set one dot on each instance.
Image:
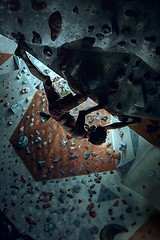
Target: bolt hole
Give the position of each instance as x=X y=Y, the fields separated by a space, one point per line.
x=47 y=51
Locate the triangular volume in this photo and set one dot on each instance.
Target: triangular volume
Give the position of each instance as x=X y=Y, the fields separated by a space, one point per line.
x=105 y=194
x=15 y=108
x=4 y=57
x=125 y=166
x=7 y=45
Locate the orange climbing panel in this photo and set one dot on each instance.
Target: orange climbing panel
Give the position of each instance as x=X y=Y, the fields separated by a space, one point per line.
x=4 y=57
x=57 y=155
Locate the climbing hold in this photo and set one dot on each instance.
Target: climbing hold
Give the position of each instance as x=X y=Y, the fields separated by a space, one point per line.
x=152 y=173
x=31 y=221
x=47 y=51
x=38 y=6
x=13 y=5
x=10 y=122
x=46 y=205
x=90 y=206
x=92 y=214
x=49 y=227
x=73 y=157
x=55 y=24
x=105 y=118
x=56 y=160
x=86 y=155
x=106 y=29
x=22 y=142
x=150 y=38
x=116 y=203
x=94 y=230
x=111 y=230
x=38 y=139
x=45 y=196
x=79 y=201
x=91 y=28
x=41 y=164
x=75 y=9
x=99 y=36
x=124 y=201
x=36 y=38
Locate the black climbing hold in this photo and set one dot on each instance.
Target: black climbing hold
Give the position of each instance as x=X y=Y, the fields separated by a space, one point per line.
x=75 y=9
x=36 y=38
x=110 y=211
x=100 y=36
x=19 y=21
x=41 y=164
x=137 y=63
x=106 y=29
x=134 y=41
x=150 y=39
x=45 y=116
x=18 y=36
x=91 y=28
x=47 y=51
x=121 y=44
x=38 y=6
x=111 y=230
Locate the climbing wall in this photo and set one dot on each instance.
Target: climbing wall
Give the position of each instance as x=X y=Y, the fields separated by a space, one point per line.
x=150 y=230
x=78 y=207
x=4 y=57
x=52 y=152
x=73 y=208
x=149 y=129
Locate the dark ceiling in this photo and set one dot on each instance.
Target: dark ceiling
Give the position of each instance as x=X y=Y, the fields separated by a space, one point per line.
x=123 y=25
x=107 y=30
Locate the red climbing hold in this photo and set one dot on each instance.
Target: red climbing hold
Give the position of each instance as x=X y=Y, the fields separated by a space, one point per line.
x=92 y=214
x=90 y=206
x=13 y=216
x=124 y=201
x=46 y=205
x=55 y=24
x=31 y=221
x=116 y=203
